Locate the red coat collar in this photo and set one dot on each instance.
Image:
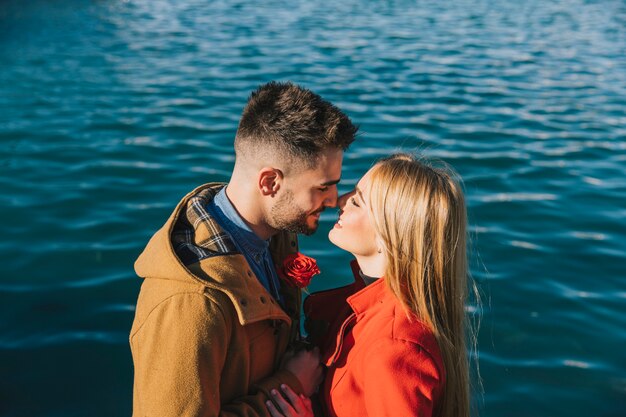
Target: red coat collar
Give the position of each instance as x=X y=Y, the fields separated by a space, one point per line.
x=368 y=296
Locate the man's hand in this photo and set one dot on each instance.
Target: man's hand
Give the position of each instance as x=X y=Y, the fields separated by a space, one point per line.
x=305 y=365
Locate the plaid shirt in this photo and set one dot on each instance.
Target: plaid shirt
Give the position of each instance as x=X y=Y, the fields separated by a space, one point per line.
x=197 y=235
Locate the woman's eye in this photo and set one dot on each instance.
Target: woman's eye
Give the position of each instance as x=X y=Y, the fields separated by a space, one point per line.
x=353 y=201
x=323 y=189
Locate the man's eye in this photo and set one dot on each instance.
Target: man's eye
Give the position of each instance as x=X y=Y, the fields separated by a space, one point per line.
x=353 y=201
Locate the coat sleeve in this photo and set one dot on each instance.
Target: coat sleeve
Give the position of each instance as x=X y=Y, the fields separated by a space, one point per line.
x=400 y=379
x=179 y=360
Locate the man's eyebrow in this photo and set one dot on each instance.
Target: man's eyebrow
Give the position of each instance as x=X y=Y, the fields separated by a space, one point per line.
x=329 y=183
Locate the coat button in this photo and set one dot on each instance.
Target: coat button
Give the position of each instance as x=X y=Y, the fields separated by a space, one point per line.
x=243 y=302
x=293 y=244
x=249 y=273
x=263 y=300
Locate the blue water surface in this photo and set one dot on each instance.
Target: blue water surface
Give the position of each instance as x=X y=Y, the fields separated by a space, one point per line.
x=110 y=111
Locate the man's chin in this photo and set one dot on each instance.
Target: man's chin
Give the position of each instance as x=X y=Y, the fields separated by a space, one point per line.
x=311 y=230
x=313 y=226
x=306 y=229
x=305 y=224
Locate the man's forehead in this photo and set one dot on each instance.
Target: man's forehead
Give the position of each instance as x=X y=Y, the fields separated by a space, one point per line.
x=320 y=178
x=327 y=170
x=327 y=175
x=330 y=158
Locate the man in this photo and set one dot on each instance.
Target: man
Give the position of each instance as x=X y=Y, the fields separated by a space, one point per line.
x=213 y=320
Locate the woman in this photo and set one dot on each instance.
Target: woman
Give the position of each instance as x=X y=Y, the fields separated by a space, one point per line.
x=398 y=347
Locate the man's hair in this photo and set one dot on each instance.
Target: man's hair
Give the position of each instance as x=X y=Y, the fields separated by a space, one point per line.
x=290 y=120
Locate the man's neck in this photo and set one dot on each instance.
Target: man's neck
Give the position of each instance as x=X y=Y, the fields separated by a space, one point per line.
x=248 y=210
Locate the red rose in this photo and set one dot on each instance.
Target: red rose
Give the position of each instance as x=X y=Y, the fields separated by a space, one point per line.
x=298 y=270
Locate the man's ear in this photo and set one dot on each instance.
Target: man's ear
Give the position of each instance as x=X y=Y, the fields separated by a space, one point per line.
x=270 y=180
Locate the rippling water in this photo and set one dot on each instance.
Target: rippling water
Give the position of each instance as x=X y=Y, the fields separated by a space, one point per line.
x=110 y=111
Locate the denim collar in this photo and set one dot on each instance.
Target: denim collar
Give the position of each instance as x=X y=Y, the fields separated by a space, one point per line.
x=237 y=228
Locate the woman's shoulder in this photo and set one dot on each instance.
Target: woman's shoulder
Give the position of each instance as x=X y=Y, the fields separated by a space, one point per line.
x=406 y=347
x=407 y=343
x=406 y=331
x=408 y=328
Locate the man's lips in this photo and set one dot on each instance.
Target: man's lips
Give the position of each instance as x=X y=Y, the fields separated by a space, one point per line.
x=317 y=213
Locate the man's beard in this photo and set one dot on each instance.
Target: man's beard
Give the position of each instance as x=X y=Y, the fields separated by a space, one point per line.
x=286 y=215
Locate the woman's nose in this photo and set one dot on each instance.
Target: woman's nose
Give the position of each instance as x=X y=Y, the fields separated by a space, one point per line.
x=341 y=201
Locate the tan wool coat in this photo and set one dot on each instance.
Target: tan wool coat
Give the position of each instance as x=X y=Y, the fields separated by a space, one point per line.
x=207 y=339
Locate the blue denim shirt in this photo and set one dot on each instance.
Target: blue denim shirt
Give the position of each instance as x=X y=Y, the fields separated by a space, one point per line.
x=254 y=249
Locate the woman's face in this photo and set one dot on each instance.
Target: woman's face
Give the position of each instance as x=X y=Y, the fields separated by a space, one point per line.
x=354 y=230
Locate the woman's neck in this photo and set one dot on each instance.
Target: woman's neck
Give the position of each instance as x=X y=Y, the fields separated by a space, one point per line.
x=372 y=266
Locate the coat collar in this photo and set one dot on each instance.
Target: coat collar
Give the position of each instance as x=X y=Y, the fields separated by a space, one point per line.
x=367 y=296
x=376 y=297
x=219 y=266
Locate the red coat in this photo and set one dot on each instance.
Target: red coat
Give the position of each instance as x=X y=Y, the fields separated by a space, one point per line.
x=379 y=363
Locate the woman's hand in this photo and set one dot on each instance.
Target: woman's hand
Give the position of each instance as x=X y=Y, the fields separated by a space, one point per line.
x=298 y=405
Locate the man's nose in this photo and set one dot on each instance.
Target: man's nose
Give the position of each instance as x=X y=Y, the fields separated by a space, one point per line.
x=331 y=198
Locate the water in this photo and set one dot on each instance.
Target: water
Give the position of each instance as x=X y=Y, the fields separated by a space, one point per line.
x=110 y=111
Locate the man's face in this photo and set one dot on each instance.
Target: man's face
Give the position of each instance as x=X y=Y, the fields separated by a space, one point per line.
x=305 y=195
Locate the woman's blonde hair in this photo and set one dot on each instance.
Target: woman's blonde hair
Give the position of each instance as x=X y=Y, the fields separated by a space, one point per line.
x=419 y=213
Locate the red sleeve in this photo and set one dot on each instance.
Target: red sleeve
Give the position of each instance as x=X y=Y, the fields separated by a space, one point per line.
x=400 y=379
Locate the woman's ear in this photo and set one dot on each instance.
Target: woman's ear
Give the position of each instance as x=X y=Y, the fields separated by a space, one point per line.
x=269 y=181
x=380 y=245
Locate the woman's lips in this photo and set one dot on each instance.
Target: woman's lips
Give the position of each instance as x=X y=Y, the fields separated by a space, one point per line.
x=338 y=224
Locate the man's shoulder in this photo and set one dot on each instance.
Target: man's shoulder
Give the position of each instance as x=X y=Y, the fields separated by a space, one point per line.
x=154 y=290
x=167 y=300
